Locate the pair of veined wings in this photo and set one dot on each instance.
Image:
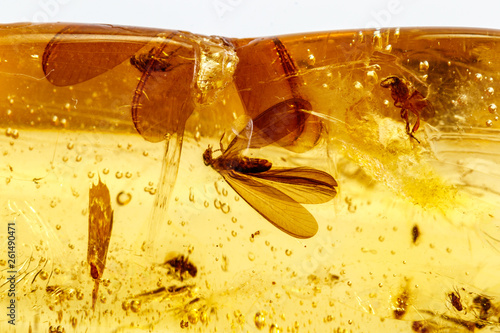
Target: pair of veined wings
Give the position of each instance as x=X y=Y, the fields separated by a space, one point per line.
x=163 y=98
x=278 y=194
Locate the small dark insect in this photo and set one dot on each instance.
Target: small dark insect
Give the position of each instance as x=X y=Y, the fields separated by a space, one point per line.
x=415 y=233
x=276 y=193
x=408 y=99
x=484 y=305
x=455 y=300
x=182 y=265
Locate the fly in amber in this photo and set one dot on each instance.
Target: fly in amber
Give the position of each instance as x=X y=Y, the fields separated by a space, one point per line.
x=276 y=193
x=408 y=99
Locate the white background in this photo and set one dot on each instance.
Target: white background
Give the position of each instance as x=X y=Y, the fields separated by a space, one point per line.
x=245 y=18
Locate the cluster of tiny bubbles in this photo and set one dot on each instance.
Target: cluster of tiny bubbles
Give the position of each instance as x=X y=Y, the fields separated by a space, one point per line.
x=13 y=133
x=59 y=122
x=223 y=206
x=150 y=189
x=492 y=108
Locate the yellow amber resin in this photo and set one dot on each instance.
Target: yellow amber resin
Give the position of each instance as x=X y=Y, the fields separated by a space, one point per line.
x=363 y=171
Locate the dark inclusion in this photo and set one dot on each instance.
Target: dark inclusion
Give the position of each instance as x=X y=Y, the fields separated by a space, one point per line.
x=182 y=265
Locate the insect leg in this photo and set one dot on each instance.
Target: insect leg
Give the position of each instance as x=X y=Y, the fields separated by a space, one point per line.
x=404 y=115
x=417 y=122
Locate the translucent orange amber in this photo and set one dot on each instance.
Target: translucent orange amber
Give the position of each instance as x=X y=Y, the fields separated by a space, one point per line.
x=354 y=178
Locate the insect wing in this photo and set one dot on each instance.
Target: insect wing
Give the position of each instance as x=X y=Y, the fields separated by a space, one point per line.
x=304 y=185
x=278 y=208
x=423 y=105
x=81 y=52
x=163 y=98
x=282 y=122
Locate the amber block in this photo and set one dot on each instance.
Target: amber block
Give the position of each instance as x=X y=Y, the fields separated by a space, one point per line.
x=159 y=180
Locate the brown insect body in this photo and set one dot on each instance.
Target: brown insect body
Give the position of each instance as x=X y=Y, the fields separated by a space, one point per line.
x=408 y=99
x=241 y=164
x=252 y=165
x=182 y=265
x=456 y=300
